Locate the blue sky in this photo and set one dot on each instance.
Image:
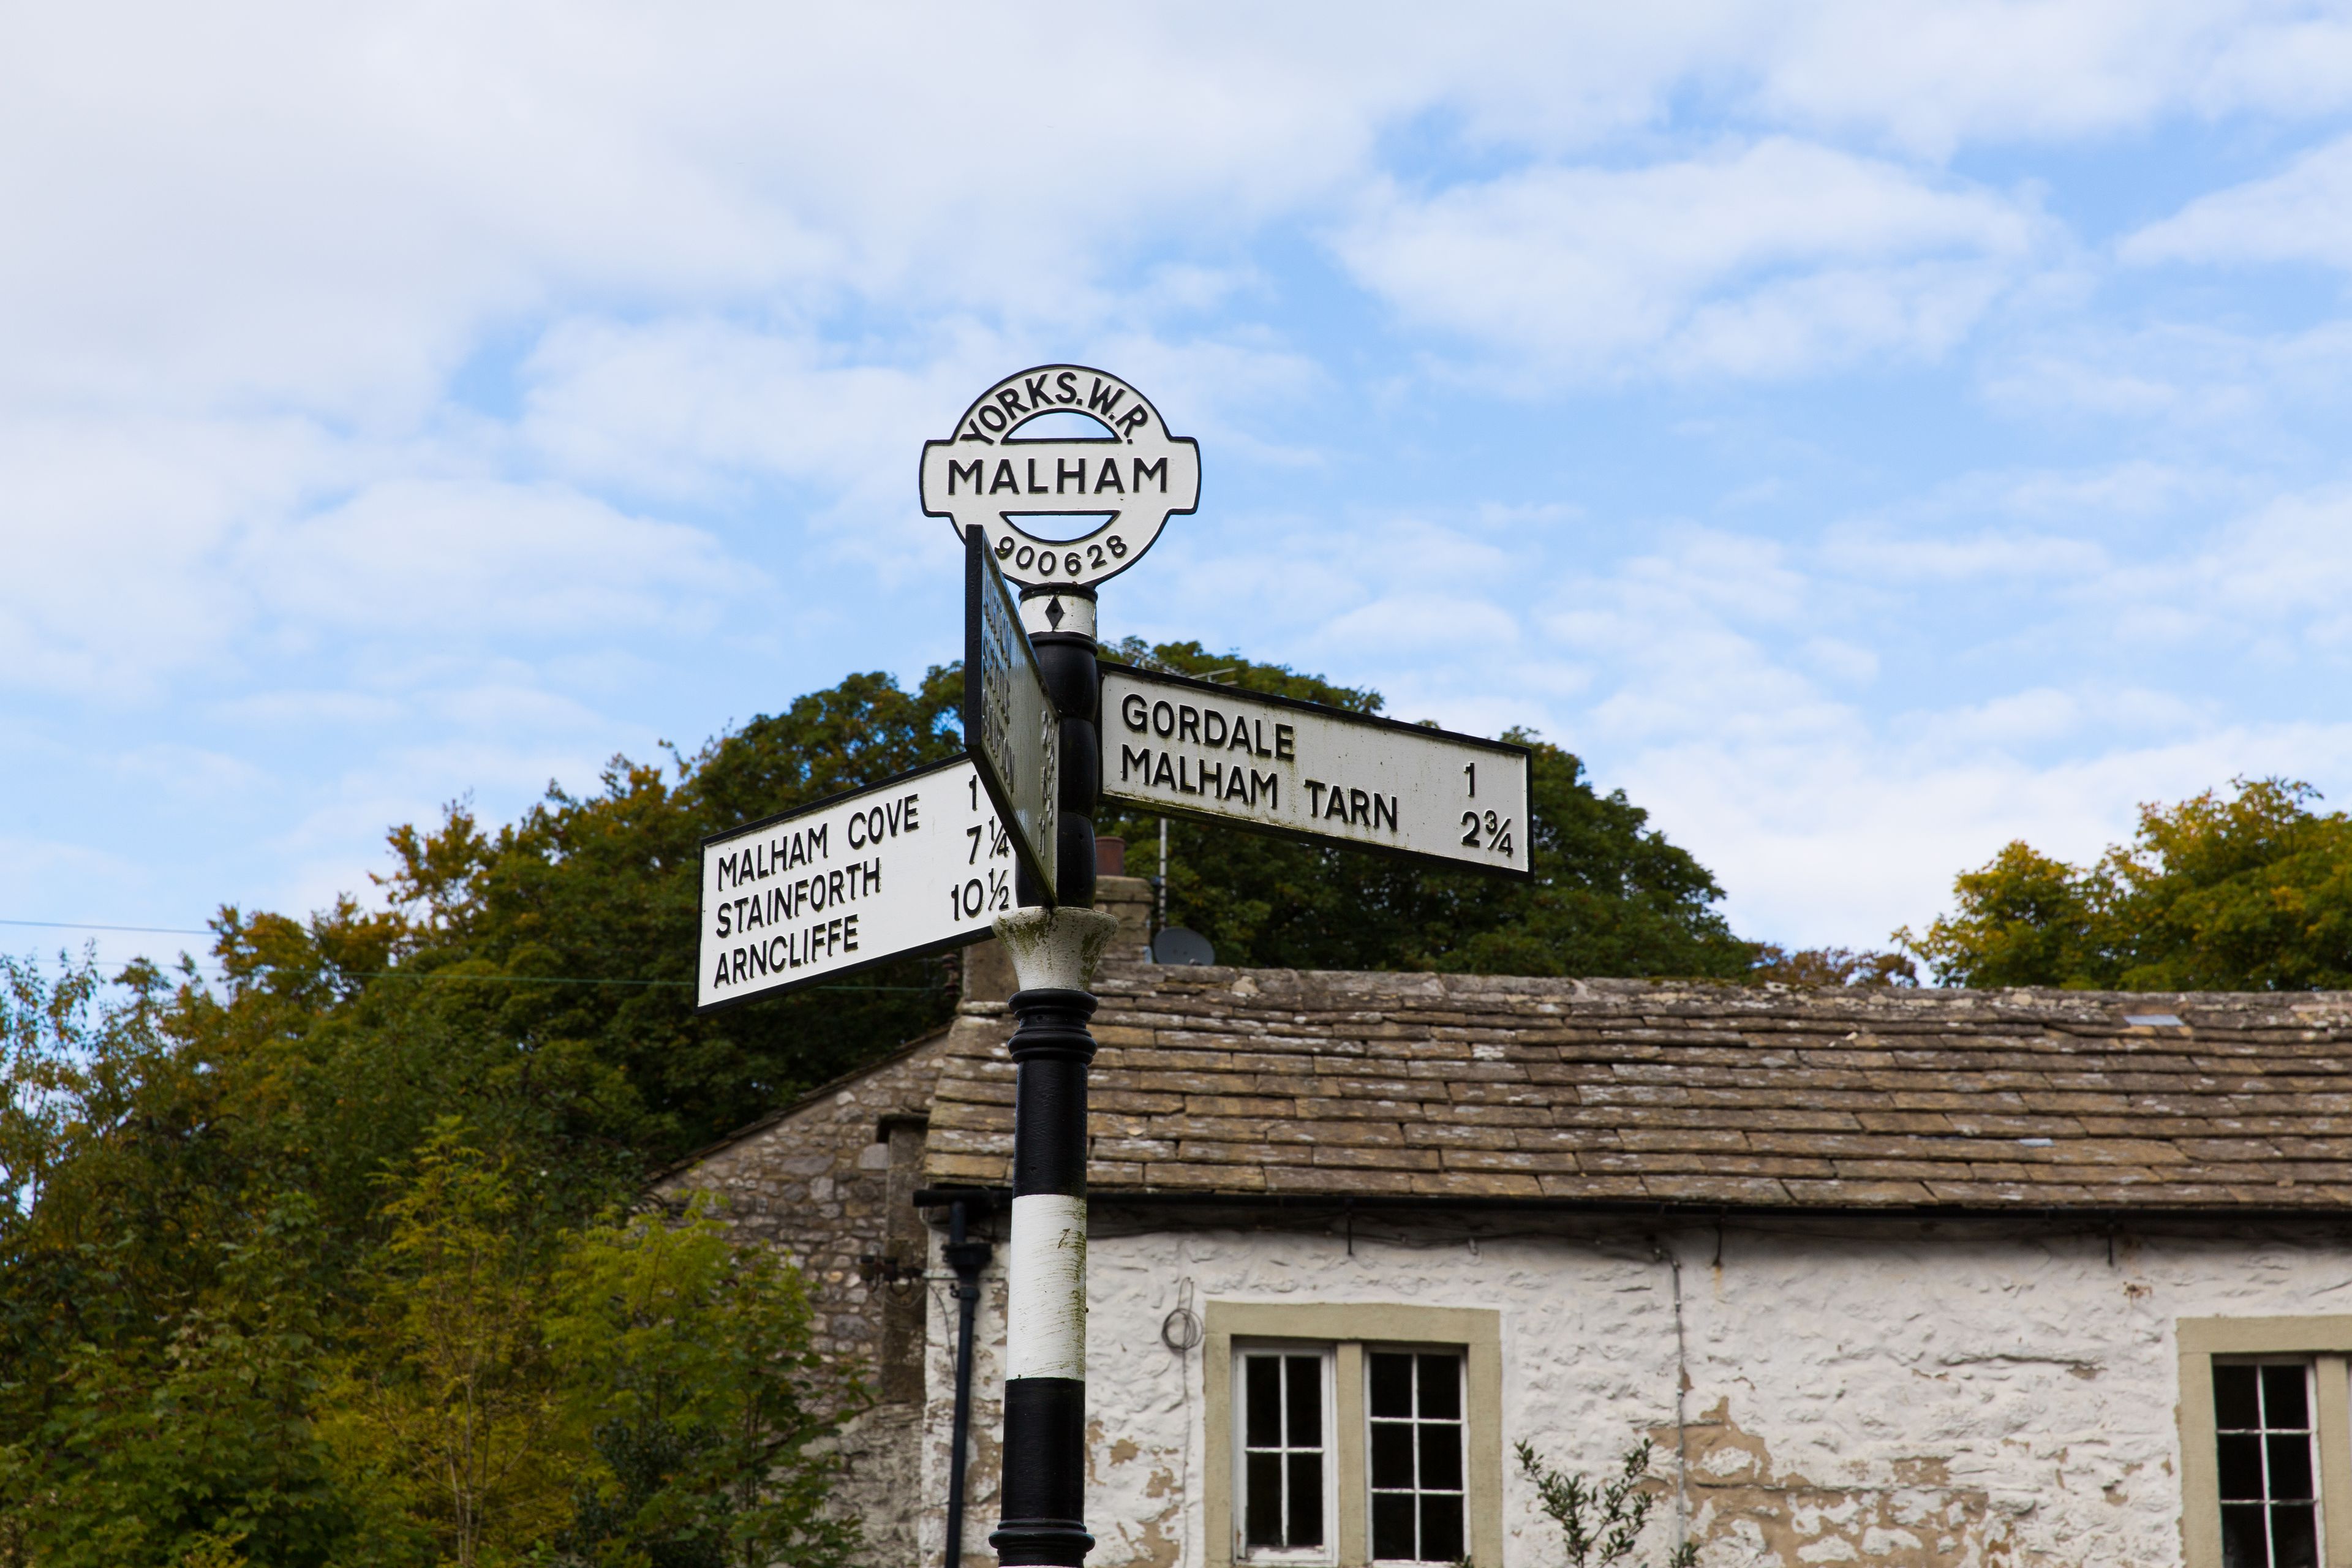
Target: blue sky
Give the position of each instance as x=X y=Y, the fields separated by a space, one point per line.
x=1864 y=433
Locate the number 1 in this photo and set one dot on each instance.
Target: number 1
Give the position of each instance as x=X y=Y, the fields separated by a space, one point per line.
x=1470 y=770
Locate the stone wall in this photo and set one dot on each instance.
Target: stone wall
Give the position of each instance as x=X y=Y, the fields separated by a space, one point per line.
x=816 y=1182
x=1871 y=1391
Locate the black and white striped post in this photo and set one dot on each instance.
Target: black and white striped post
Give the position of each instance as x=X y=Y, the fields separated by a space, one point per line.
x=1054 y=954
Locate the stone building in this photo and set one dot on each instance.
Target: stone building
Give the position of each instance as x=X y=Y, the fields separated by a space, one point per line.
x=1903 y=1278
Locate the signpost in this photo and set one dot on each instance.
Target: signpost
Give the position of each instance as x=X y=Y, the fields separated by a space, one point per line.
x=1010 y=727
x=1003 y=839
x=916 y=864
x=1189 y=748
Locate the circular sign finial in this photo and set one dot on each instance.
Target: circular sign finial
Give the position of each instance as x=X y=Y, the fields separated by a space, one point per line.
x=987 y=477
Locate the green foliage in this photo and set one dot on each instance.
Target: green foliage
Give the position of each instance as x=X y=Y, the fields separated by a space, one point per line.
x=1605 y=1516
x=2249 y=891
x=689 y=1364
x=1829 y=966
x=141 y=1452
x=491 y=1397
x=1610 y=896
x=446 y=1410
x=604 y=886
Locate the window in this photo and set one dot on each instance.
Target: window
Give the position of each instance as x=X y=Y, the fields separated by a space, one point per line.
x=2265 y=1454
x=2265 y=1441
x=1357 y=1435
x=1286 y=1424
x=1415 y=1400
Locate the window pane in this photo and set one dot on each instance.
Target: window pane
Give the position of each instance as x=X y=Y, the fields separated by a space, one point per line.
x=2283 y=1403
x=1392 y=1384
x=1391 y=1454
x=1305 y=1401
x=1392 y=1527
x=1440 y=1456
x=1440 y=1387
x=2290 y=1467
x=2295 y=1537
x=2243 y=1543
x=2234 y=1398
x=2242 y=1465
x=1265 y=1376
x=1441 y=1529
x=1263 y=1525
x=1306 y=1500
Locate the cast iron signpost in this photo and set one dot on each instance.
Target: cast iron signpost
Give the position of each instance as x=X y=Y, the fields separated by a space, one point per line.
x=1002 y=840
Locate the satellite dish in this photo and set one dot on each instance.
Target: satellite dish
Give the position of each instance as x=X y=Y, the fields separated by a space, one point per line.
x=1174 y=944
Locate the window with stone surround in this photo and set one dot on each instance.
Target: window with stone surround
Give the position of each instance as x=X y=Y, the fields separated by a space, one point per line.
x=1414 y=1399
x=1283 y=1396
x=1346 y=1435
x=2267 y=1463
x=2266 y=1442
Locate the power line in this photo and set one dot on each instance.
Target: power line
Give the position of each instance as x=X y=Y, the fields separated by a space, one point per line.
x=435 y=975
x=85 y=925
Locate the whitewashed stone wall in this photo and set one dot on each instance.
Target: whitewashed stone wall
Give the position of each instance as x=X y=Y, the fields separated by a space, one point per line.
x=1858 y=1391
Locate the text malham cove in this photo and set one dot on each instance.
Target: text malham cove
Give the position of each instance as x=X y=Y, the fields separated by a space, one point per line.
x=770 y=929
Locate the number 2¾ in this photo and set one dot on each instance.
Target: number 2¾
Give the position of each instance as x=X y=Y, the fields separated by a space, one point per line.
x=1497 y=829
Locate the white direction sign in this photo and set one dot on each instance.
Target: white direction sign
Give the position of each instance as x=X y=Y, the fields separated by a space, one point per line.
x=1189 y=748
x=1010 y=727
x=1124 y=483
x=913 y=865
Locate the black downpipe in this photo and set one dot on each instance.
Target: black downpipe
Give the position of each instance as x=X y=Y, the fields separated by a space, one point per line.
x=967 y=1258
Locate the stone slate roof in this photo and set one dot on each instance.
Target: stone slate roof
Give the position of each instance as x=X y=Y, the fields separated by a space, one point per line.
x=1248 y=1083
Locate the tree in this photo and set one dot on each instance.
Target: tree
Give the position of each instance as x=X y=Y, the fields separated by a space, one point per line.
x=193 y=1236
x=1610 y=895
x=2250 y=890
x=447 y=1412
x=1837 y=966
x=635 y=1393
x=1604 y=1515
x=574 y=928
x=688 y=1359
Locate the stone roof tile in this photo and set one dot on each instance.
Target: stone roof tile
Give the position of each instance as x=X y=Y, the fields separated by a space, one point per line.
x=1220 y=1081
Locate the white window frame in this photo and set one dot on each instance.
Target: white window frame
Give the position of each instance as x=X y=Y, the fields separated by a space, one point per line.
x=1461 y=1393
x=1327 y=1354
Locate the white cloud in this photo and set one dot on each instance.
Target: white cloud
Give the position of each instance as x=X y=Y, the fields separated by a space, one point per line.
x=2291 y=558
x=2257 y=400
x=1771 y=258
x=484 y=560
x=1838 y=845
x=2301 y=214
x=1831 y=821
x=1931 y=75
x=1425 y=622
x=1937 y=555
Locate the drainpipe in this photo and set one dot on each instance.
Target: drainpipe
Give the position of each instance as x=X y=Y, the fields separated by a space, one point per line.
x=967 y=1258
